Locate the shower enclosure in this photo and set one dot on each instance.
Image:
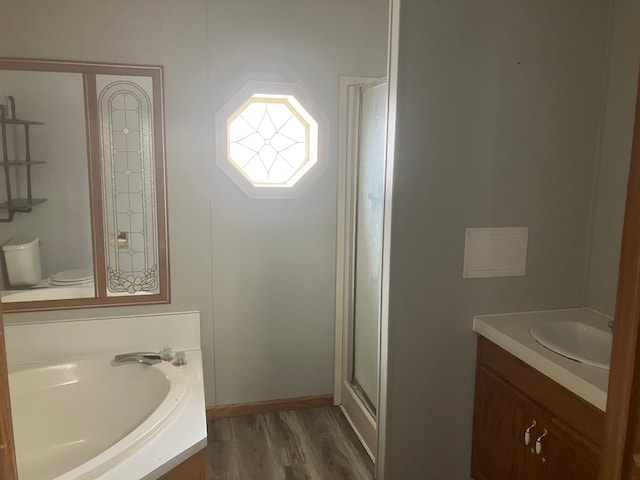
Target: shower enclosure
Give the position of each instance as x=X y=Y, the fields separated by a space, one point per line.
x=364 y=142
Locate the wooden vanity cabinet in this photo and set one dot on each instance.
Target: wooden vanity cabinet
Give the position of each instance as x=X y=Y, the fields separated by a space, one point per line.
x=509 y=396
x=567 y=457
x=500 y=419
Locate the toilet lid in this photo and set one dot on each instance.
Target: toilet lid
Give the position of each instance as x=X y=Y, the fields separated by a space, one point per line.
x=72 y=277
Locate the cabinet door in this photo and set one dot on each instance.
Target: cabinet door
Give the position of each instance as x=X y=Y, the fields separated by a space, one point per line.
x=501 y=417
x=568 y=455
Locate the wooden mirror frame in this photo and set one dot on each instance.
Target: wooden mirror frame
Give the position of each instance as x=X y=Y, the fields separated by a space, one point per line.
x=89 y=70
x=8 y=469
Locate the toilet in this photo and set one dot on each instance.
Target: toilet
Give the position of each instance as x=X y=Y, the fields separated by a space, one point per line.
x=69 y=278
x=22 y=257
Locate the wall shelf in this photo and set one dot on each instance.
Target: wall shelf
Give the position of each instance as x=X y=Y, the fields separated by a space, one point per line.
x=15 y=163
x=23 y=205
x=16 y=205
x=16 y=121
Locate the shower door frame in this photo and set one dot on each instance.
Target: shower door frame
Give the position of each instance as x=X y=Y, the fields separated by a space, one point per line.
x=357 y=412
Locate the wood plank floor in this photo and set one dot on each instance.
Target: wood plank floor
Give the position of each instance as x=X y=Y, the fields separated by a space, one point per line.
x=315 y=444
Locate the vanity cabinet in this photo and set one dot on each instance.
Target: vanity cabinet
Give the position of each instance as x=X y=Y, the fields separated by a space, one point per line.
x=511 y=398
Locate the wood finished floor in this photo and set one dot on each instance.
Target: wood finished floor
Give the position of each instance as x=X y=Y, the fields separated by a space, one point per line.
x=315 y=444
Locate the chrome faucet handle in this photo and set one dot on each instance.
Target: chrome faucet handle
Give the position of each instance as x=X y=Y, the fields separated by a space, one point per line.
x=180 y=360
x=166 y=354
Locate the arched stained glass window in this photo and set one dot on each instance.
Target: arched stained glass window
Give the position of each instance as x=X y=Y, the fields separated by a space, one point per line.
x=128 y=173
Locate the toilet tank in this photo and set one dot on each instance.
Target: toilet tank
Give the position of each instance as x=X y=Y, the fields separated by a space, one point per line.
x=22 y=258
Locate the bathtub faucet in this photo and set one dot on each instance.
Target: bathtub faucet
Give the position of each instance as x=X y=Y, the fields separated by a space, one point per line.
x=148 y=358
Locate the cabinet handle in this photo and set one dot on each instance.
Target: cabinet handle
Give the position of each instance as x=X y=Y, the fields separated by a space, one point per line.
x=539 y=442
x=527 y=434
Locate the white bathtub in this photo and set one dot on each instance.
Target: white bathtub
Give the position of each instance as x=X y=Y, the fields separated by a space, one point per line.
x=87 y=419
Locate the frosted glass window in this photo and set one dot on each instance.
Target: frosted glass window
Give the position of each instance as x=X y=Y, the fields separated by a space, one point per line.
x=272 y=140
x=128 y=175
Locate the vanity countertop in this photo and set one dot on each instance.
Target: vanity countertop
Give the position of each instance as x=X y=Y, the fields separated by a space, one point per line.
x=510 y=331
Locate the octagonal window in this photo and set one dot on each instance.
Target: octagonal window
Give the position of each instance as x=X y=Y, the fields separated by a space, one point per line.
x=272 y=140
x=271 y=143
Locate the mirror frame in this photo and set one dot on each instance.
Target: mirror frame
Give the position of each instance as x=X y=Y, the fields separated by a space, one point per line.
x=8 y=467
x=89 y=70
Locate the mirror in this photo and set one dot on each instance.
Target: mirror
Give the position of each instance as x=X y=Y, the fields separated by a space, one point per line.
x=82 y=185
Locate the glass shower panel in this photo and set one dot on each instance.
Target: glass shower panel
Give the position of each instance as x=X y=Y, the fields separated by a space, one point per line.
x=368 y=238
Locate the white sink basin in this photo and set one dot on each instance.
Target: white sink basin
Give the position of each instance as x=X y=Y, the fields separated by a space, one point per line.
x=575 y=340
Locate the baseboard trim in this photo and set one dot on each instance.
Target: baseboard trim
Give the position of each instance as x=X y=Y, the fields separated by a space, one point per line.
x=269 y=406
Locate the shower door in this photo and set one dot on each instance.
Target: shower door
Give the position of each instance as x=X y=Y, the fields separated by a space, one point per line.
x=367 y=146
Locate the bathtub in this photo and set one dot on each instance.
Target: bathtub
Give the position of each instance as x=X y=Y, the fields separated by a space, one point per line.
x=87 y=419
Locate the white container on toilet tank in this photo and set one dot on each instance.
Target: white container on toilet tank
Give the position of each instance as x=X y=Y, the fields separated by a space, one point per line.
x=22 y=257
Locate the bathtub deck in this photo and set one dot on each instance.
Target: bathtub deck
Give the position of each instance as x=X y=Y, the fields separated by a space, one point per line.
x=315 y=444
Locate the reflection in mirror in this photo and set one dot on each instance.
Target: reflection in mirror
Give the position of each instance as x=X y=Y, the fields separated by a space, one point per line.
x=48 y=248
x=82 y=185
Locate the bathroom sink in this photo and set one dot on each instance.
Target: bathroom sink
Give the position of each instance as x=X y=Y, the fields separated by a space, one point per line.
x=575 y=340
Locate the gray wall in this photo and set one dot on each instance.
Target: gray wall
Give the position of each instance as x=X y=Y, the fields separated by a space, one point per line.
x=274 y=260
x=261 y=272
x=615 y=152
x=499 y=105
